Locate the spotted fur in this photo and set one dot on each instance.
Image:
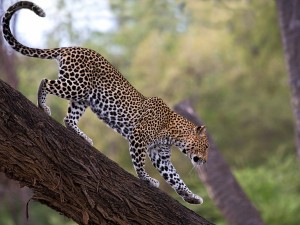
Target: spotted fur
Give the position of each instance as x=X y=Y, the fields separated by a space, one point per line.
x=87 y=79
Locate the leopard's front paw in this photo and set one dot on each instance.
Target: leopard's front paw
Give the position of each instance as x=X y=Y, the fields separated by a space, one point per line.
x=193 y=199
x=46 y=109
x=153 y=182
x=89 y=140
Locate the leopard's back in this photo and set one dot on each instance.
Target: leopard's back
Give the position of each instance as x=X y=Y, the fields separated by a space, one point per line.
x=87 y=74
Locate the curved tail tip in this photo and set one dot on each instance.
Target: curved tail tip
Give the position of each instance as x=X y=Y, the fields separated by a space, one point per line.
x=41 y=13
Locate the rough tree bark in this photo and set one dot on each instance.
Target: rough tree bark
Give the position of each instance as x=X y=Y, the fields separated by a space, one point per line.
x=289 y=20
x=72 y=177
x=220 y=182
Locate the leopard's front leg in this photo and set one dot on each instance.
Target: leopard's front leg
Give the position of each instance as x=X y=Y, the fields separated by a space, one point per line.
x=75 y=111
x=137 y=148
x=160 y=157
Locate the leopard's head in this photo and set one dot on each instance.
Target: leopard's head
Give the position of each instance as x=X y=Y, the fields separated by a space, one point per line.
x=196 y=145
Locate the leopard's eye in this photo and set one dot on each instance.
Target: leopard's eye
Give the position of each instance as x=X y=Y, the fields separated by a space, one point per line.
x=196 y=158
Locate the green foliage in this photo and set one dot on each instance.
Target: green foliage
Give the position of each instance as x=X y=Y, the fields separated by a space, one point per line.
x=41 y=214
x=12 y=213
x=274 y=187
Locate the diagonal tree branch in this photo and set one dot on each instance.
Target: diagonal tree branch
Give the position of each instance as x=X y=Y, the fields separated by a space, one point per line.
x=72 y=177
x=220 y=182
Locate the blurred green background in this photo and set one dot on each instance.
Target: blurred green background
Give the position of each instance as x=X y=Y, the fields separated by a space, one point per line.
x=225 y=56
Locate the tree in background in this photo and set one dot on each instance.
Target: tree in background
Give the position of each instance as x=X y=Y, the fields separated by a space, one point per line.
x=8 y=67
x=289 y=18
x=12 y=197
x=221 y=183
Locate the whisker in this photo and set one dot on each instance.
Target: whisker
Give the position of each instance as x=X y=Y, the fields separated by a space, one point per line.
x=202 y=167
x=191 y=170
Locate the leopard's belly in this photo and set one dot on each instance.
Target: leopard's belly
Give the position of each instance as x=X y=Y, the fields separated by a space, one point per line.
x=116 y=111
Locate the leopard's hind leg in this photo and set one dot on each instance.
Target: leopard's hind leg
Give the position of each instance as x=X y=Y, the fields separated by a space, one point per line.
x=54 y=87
x=42 y=94
x=160 y=157
x=63 y=88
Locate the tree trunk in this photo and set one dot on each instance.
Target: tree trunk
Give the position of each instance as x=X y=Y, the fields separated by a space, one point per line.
x=72 y=177
x=289 y=20
x=220 y=182
x=7 y=60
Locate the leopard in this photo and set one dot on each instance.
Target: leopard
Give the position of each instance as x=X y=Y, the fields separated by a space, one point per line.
x=87 y=79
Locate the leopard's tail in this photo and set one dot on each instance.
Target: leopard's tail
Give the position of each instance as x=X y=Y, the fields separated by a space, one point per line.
x=12 y=41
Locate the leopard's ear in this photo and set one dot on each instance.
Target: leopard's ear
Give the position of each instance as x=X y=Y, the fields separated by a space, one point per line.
x=200 y=130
